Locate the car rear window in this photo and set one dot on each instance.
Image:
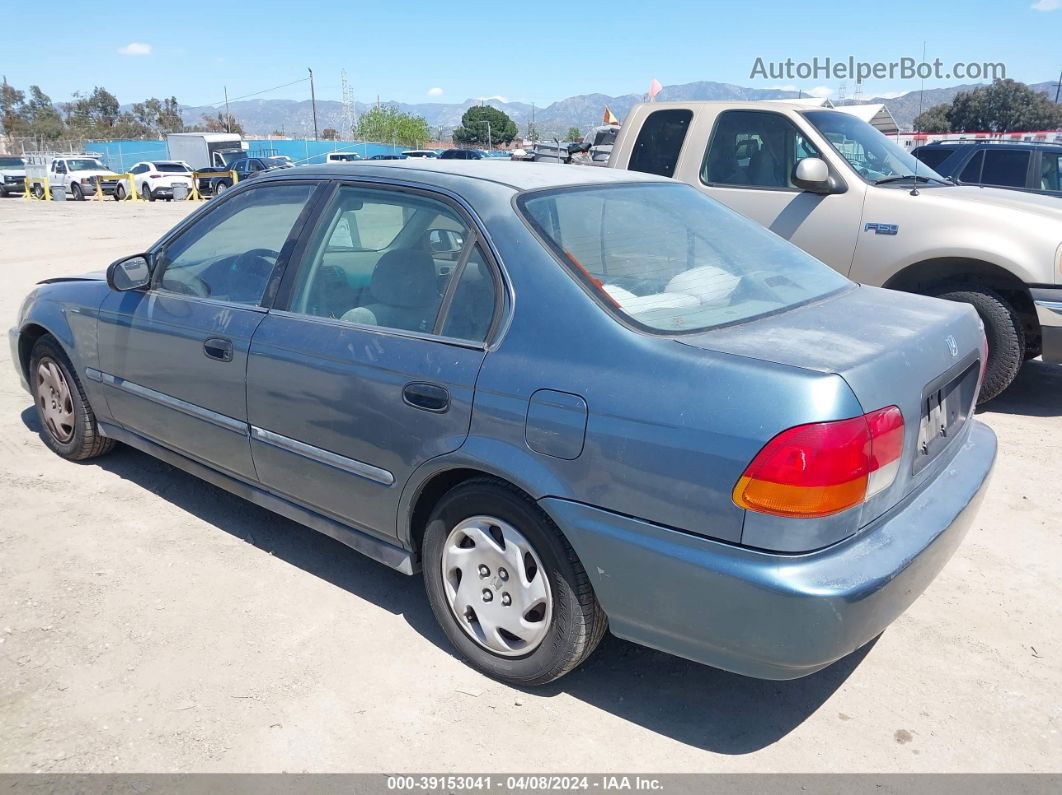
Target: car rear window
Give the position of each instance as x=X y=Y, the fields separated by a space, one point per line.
x=171 y=168
x=670 y=259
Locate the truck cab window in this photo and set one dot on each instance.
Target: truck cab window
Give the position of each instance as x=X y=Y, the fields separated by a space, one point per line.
x=756 y=149
x=659 y=141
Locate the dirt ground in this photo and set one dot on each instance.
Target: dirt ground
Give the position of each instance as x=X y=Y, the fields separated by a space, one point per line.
x=151 y=622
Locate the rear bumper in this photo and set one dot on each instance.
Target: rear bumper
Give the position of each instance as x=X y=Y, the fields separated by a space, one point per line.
x=767 y=615
x=1048 y=303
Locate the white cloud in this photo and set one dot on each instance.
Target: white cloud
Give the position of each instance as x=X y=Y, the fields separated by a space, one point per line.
x=890 y=94
x=135 y=48
x=1046 y=5
x=820 y=91
x=435 y=92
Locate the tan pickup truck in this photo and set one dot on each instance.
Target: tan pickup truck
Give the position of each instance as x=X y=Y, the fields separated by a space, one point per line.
x=835 y=186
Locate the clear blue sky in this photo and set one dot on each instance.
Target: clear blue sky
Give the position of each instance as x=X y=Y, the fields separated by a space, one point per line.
x=412 y=51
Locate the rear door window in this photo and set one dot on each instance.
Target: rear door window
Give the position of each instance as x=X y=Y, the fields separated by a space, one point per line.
x=1005 y=167
x=659 y=142
x=1050 y=168
x=934 y=156
x=971 y=174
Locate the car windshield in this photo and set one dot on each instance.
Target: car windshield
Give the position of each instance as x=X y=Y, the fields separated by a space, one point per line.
x=11 y=162
x=85 y=164
x=172 y=168
x=670 y=259
x=870 y=153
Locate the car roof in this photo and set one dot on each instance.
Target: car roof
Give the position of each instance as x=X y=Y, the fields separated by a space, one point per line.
x=994 y=143
x=514 y=174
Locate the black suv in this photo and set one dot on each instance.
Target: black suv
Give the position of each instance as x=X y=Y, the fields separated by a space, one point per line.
x=1027 y=166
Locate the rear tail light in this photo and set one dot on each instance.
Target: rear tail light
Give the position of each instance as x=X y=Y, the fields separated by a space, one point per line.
x=824 y=468
x=154 y=176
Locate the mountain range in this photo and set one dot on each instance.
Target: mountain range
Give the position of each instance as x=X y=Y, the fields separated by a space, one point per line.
x=294 y=117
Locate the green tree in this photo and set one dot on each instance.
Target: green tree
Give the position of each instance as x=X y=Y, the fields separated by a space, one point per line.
x=574 y=134
x=160 y=116
x=43 y=119
x=934 y=120
x=223 y=122
x=482 y=124
x=387 y=124
x=12 y=109
x=330 y=134
x=1004 y=106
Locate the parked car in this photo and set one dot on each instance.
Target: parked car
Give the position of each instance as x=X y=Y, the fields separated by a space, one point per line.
x=1032 y=167
x=156 y=179
x=245 y=168
x=341 y=157
x=609 y=401
x=12 y=175
x=851 y=197
x=76 y=173
x=427 y=153
x=388 y=157
x=461 y=154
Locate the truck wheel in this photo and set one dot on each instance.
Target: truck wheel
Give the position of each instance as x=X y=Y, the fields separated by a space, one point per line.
x=68 y=423
x=506 y=587
x=1006 y=338
x=220 y=187
x=75 y=192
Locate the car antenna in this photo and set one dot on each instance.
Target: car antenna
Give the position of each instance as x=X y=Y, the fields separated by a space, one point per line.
x=921 y=95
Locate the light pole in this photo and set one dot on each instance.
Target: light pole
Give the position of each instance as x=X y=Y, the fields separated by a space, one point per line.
x=313 y=103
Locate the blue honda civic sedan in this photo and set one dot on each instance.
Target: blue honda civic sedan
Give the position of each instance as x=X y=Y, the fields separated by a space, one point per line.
x=575 y=399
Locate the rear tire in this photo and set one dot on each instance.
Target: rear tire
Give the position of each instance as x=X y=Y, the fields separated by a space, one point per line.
x=1006 y=338
x=146 y=194
x=68 y=424
x=575 y=620
x=220 y=187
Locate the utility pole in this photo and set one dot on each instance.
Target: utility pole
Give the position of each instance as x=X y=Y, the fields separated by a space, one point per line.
x=313 y=103
x=1058 y=88
x=228 y=116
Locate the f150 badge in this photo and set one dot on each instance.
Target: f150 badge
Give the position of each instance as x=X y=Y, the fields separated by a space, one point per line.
x=882 y=229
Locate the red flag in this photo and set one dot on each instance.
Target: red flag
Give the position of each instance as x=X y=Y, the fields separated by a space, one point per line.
x=654 y=89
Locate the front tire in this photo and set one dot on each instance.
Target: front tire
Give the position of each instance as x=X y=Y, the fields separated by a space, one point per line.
x=75 y=192
x=68 y=424
x=119 y=193
x=1006 y=338
x=506 y=587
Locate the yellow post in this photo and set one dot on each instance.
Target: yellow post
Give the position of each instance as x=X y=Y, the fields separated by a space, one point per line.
x=29 y=182
x=99 y=188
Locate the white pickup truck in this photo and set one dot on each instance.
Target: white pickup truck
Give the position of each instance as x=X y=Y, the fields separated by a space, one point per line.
x=839 y=189
x=12 y=174
x=77 y=173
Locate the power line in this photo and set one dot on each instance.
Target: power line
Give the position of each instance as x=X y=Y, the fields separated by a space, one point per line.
x=248 y=96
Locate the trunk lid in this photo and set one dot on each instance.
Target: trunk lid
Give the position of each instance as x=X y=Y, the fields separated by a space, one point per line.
x=893 y=349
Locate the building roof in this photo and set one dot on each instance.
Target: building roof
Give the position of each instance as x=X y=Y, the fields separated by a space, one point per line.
x=875 y=114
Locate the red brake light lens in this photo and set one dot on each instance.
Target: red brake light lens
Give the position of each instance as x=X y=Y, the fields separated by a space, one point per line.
x=824 y=468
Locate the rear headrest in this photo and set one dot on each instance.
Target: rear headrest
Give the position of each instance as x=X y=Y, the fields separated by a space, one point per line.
x=405 y=277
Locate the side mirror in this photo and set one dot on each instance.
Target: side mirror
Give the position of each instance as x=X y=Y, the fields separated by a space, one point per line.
x=813 y=175
x=131 y=273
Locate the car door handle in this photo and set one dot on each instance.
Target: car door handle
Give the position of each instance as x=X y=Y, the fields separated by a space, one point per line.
x=429 y=397
x=218 y=348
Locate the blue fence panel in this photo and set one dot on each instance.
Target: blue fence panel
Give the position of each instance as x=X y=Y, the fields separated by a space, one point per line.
x=120 y=156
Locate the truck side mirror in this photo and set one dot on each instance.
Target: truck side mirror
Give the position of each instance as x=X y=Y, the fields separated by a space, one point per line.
x=813 y=175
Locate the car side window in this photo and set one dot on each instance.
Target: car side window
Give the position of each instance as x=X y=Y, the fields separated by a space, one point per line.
x=659 y=142
x=971 y=173
x=1050 y=170
x=385 y=258
x=755 y=149
x=1006 y=167
x=230 y=253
